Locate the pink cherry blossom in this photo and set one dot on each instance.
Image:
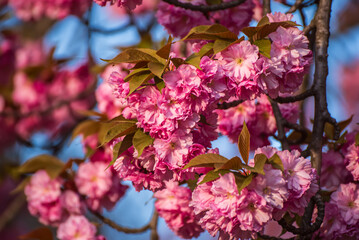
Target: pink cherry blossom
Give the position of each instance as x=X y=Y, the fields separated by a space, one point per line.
x=76 y=227
x=333 y=171
x=235 y=18
x=271 y=186
x=37 y=9
x=43 y=196
x=171 y=17
x=298 y=172
x=224 y=210
x=347 y=200
x=71 y=202
x=238 y=60
x=173 y=205
x=173 y=150
x=93 y=180
x=129 y=4
x=352 y=160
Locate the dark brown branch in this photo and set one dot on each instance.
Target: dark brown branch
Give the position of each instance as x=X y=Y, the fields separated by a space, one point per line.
x=280 y=125
x=110 y=31
x=296 y=98
x=227 y=105
x=205 y=8
x=119 y=228
x=12 y=210
x=153 y=225
x=308 y=229
x=266 y=7
x=321 y=115
x=295 y=6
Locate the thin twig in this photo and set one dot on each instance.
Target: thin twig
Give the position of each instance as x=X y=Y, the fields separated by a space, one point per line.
x=205 y=8
x=280 y=125
x=227 y=105
x=12 y=210
x=296 y=98
x=295 y=6
x=153 y=225
x=307 y=229
x=119 y=228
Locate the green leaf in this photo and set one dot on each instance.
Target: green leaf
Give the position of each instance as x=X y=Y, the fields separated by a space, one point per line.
x=118 y=130
x=234 y=163
x=135 y=55
x=138 y=71
x=86 y=128
x=213 y=175
x=260 y=32
x=206 y=160
x=259 y=162
x=345 y=123
x=42 y=233
x=194 y=60
x=52 y=165
x=138 y=80
x=141 y=140
x=329 y=128
x=276 y=162
x=120 y=148
x=164 y=52
x=263 y=21
x=192 y=183
x=222 y=44
x=160 y=85
x=357 y=140
x=264 y=46
x=243 y=181
x=156 y=68
x=244 y=143
x=178 y=61
x=210 y=32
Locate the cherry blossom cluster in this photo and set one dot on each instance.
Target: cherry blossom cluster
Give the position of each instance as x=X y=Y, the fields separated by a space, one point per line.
x=173 y=118
x=128 y=4
x=348 y=76
x=259 y=118
x=341 y=213
x=234 y=18
x=63 y=209
x=39 y=89
x=352 y=160
x=240 y=214
x=62 y=203
x=36 y=9
x=173 y=206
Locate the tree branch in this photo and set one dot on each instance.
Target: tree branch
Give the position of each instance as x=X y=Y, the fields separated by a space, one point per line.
x=321 y=114
x=295 y=6
x=280 y=125
x=226 y=105
x=308 y=229
x=266 y=7
x=119 y=228
x=205 y=8
x=296 y=98
x=11 y=211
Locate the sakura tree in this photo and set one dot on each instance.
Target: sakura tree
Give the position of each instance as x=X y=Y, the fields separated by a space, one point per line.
x=147 y=118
